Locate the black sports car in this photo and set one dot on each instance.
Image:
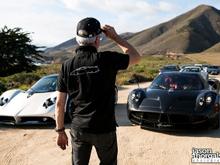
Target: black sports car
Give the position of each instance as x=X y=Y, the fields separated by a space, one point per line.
x=175 y=100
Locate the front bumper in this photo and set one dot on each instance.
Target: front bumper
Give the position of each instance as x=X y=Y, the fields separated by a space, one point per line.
x=14 y=120
x=169 y=121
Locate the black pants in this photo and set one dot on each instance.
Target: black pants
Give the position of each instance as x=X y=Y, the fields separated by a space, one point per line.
x=105 y=145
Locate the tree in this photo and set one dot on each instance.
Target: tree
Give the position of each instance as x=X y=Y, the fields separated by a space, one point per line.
x=16 y=51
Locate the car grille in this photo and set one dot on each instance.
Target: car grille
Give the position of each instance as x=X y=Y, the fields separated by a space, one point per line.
x=152 y=117
x=38 y=119
x=160 y=118
x=7 y=119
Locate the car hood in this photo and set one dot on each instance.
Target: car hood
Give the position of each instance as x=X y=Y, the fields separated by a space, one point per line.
x=165 y=101
x=25 y=104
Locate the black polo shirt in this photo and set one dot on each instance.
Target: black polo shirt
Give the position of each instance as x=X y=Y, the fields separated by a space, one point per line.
x=89 y=78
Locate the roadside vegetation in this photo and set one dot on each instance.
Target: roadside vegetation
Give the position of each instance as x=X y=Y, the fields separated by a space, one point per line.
x=148 y=68
x=24 y=80
x=210 y=58
x=17 y=54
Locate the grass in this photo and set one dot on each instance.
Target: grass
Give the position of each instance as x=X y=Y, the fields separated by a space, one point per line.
x=146 y=70
x=210 y=58
x=25 y=80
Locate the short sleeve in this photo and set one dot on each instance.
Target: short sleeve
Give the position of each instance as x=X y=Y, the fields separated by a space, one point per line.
x=118 y=60
x=61 y=83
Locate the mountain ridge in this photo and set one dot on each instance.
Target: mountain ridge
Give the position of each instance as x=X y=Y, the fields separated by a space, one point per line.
x=192 y=32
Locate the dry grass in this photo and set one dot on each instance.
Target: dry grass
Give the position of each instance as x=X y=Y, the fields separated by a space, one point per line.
x=24 y=80
x=209 y=58
x=148 y=68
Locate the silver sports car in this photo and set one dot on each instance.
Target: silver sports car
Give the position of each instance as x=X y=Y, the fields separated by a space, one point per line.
x=36 y=105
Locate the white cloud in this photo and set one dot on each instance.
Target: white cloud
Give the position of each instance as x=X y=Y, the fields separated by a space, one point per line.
x=46 y=25
x=73 y=4
x=129 y=15
x=110 y=6
x=54 y=21
x=165 y=6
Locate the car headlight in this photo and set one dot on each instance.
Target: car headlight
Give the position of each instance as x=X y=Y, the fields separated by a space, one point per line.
x=49 y=102
x=208 y=99
x=136 y=96
x=3 y=101
x=201 y=101
x=205 y=100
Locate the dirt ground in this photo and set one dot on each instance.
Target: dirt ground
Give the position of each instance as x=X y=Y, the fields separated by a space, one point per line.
x=34 y=145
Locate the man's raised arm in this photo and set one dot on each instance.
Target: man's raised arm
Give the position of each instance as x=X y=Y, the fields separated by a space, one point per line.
x=123 y=44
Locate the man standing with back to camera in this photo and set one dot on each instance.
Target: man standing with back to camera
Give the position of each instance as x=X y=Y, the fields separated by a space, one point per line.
x=89 y=79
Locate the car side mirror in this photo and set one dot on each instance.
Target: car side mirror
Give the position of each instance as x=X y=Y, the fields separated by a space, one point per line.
x=135 y=79
x=214 y=84
x=132 y=81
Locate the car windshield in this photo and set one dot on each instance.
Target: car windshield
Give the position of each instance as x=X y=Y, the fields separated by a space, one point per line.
x=177 y=82
x=45 y=84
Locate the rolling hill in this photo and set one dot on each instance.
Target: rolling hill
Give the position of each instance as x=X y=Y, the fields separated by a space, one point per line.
x=192 y=32
x=214 y=49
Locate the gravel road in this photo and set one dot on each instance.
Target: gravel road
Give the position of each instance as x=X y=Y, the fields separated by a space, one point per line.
x=34 y=145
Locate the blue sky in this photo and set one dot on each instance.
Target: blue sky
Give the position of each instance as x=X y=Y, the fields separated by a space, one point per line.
x=52 y=22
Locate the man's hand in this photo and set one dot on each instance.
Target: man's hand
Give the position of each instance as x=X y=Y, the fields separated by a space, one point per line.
x=62 y=140
x=110 y=32
x=123 y=44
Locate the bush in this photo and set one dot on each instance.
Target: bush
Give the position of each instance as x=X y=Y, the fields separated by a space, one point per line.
x=140 y=78
x=2 y=87
x=148 y=68
x=17 y=52
x=19 y=79
x=25 y=78
x=139 y=68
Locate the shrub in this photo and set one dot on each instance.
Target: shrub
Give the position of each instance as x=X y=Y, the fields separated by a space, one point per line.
x=2 y=87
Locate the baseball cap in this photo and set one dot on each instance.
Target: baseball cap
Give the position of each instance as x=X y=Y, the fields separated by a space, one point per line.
x=88 y=27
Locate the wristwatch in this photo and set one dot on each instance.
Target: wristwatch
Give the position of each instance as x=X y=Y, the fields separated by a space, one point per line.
x=60 y=130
